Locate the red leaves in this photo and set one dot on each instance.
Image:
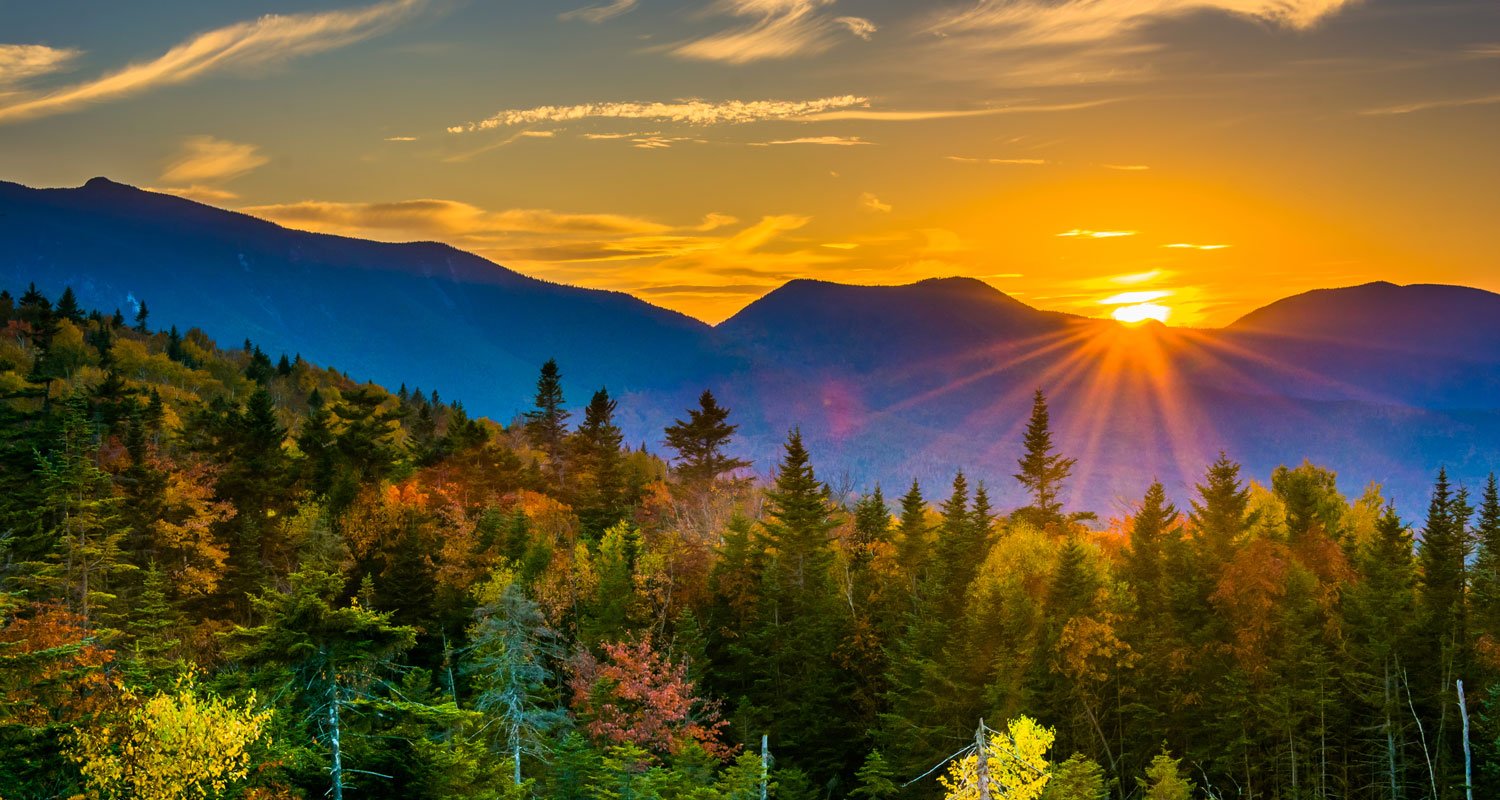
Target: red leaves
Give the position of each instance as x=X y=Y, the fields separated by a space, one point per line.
x=638 y=695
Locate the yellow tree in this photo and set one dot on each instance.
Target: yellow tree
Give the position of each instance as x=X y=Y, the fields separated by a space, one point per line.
x=181 y=744
x=1015 y=765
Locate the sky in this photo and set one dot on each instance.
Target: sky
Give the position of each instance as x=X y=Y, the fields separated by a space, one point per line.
x=1186 y=159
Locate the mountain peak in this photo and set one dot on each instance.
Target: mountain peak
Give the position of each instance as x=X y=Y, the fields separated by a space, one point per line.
x=1413 y=317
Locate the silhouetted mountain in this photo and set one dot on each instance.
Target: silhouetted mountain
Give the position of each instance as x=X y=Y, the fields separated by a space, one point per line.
x=422 y=312
x=886 y=382
x=1452 y=321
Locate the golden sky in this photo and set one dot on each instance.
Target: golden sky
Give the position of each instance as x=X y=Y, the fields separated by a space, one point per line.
x=1201 y=156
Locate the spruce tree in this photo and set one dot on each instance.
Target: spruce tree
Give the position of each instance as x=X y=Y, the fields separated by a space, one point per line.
x=547 y=422
x=911 y=538
x=701 y=441
x=596 y=449
x=1221 y=513
x=1485 y=580
x=142 y=314
x=1144 y=559
x=803 y=622
x=1042 y=471
x=67 y=307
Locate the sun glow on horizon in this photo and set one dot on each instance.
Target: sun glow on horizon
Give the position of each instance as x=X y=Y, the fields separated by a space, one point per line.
x=1141 y=312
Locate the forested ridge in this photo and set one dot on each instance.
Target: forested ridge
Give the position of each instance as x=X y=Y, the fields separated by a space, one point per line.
x=230 y=573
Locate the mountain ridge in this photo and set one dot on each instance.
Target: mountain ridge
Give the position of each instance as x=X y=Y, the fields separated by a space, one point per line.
x=886 y=381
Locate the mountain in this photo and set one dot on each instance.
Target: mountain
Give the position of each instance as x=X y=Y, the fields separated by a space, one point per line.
x=1451 y=321
x=1382 y=382
x=385 y=312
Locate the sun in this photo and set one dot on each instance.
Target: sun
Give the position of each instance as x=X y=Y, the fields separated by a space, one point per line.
x=1141 y=312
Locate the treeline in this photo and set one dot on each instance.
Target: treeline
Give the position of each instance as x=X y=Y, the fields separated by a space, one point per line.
x=228 y=575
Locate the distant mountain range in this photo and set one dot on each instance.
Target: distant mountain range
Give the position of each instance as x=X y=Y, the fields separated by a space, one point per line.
x=1379 y=381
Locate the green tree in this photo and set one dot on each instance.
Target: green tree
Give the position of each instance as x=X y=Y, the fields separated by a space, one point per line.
x=547 y=422
x=82 y=514
x=700 y=442
x=510 y=649
x=1042 y=471
x=1164 y=780
x=1078 y=778
x=875 y=779
x=596 y=449
x=329 y=657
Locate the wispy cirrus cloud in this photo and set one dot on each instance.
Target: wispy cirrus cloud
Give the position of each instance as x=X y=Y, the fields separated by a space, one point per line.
x=602 y=12
x=910 y=115
x=1032 y=23
x=831 y=141
x=430 y=217
x=22 y=62
x=205 y=159
x=1080 y=233
x=1004 y=162
x=679 y=265
x=1432 y=105
x=1067 y=42
x=692 y=112
x=253 y=44
x=778 y=29
x=869 y=202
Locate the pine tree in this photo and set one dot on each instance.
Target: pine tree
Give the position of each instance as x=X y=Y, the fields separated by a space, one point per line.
x=142 y=314
x=802 y=621
x=317 y=442
x=547 y=422
x=700 y=442
x=1042 y=472
x=596 y=449
x=82 y=513
x=875 y=779
x=1221 y=514
x=1485 y=579
x=328 y=658
x=509 y=662
x=67 y=307
x=1441 y=556
x=1144 y=560
x=911 y=538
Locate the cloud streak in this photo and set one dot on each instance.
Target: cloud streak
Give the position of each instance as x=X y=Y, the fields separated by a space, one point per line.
x=778 y=29
x=1032 y=23
x=1432 y=105
x=599 y=13
x=22 y=62
x=692 y=112
x=832 y=141
x=242 y=46
x=205 y=159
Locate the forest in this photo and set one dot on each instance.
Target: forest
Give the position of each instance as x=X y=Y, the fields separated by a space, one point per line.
x=229 y=573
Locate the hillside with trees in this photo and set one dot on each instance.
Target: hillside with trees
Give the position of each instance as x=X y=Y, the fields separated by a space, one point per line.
x=226 y=572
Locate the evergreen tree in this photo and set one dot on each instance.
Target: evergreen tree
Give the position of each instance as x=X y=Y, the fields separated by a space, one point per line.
x=1144 y=559
x=81 y=512
x=1221 y=513
x=329 y=658
x=700 y=442
x=1042 y=472
x=547 y=422
x=67 y=307
x=596 y=449
x=1078 y=778
x=1485 y=580
x=911 y=538
x=802 y=622
x=875 y=779
x=142 y=314
x=509 y=656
